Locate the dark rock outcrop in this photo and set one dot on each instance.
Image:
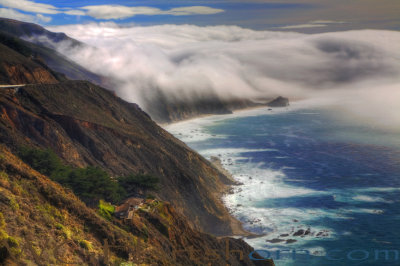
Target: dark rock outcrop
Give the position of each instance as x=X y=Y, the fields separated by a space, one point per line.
x=279 y=102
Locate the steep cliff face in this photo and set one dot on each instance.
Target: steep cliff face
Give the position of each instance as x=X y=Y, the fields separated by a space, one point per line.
x=87 y=125
x=165 y=110
x=18 y=69
x=43 y=224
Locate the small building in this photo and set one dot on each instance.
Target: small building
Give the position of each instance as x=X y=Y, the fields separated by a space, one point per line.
x=126 y=209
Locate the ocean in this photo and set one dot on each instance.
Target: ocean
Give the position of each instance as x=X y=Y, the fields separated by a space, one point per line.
x=316 y=188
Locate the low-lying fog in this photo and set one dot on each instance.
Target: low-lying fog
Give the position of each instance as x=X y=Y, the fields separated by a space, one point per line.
x=355 y=72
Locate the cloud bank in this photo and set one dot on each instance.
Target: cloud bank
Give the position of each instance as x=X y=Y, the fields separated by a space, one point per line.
x=358 y=72
x=312 y=24
x=122 y=12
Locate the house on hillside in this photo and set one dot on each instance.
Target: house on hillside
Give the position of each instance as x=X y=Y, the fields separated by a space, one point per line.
x=126 y=209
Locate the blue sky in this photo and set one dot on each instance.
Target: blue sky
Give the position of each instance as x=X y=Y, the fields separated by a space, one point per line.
x=293 y=15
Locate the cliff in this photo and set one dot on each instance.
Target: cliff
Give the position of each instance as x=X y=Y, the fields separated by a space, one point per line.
x=164 y=110
x=279 y=102
x=42 y=223
x=15 y=68
x=88 y=125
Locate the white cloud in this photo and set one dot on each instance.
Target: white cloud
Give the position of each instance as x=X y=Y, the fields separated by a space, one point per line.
x=302 y=26
x=118 y=12
x=43 y=18
x=30 y=6
x=74 y=12
x=193 y=10
x=312 y=24
x=122 y=12
x=13 y=14
x=356 y=70
x=327 y=22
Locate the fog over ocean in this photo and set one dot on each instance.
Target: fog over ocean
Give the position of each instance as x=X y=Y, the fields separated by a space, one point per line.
x=356 y=72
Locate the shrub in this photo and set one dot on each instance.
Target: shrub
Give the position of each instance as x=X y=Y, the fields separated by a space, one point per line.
x=94 y=184
x=59 y=226
x=14 y=204
x=106 y=210
x=66 y=233
x=150 y=196
x=143 y=181
x=43 y=161
x=91 y=184
x=2 y=221
x=3 y=175
x=85 y=244
x=12 y=242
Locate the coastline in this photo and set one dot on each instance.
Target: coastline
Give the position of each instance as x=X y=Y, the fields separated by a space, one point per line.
x=189 y=130
x=236 y=225
x=234 y=112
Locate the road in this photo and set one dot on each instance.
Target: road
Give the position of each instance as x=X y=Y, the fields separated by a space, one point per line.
x=12 y=86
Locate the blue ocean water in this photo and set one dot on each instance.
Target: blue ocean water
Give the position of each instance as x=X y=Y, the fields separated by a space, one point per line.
x=320 y=190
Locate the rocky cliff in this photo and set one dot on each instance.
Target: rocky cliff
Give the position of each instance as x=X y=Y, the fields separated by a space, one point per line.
x=15 y=68
x=87 y=125
x=164 y=110
x=279 y=102
x=41 y=223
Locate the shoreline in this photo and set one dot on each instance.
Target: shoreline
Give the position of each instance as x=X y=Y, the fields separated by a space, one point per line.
x=236 y=111
x=235 y=224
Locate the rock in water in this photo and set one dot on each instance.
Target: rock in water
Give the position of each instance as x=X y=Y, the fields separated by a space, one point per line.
x=299 y=233
x=279 y=102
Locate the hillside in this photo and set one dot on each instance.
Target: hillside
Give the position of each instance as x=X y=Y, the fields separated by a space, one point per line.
x=41 y=223
x=26 y=30
x=16 y=68
x=11 y=32
x=88 y=125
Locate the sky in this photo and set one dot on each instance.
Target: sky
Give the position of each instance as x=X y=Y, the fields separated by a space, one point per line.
x=309 y=16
